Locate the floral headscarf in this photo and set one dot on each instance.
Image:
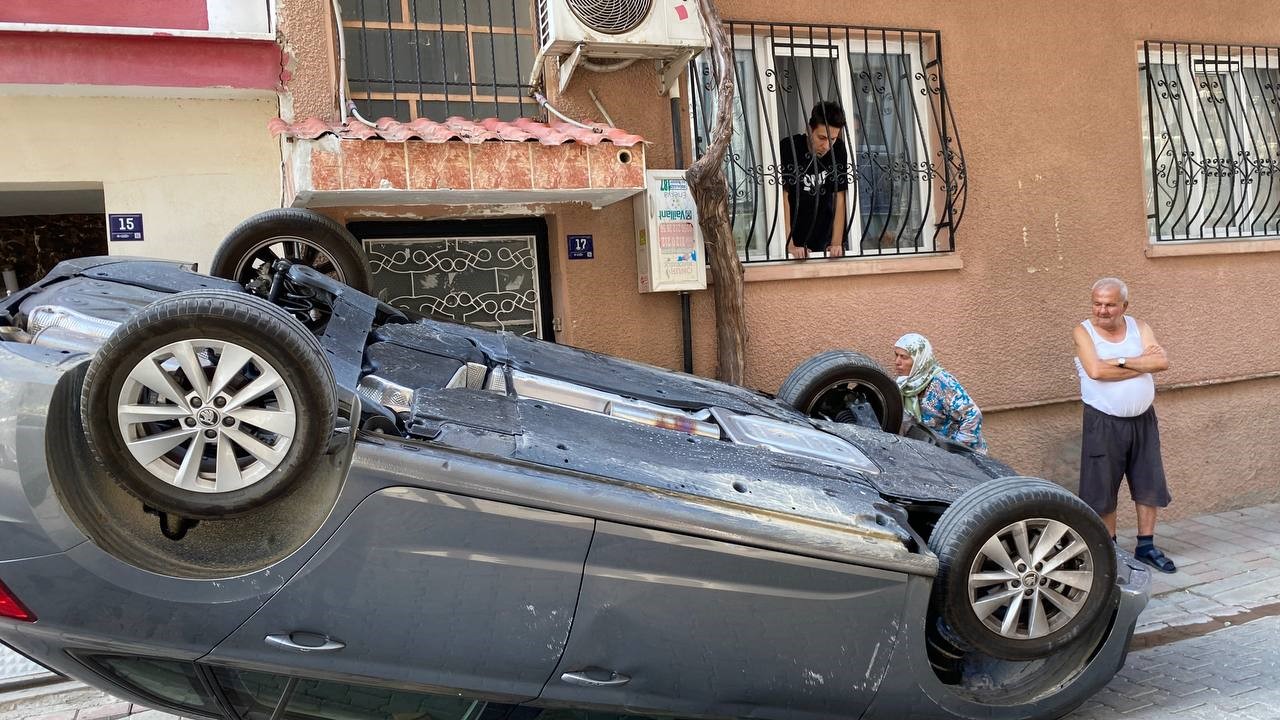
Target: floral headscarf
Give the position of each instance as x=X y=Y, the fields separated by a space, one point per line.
x=923 y=369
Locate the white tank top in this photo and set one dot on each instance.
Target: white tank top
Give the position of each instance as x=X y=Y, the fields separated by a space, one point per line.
x=1121 y=398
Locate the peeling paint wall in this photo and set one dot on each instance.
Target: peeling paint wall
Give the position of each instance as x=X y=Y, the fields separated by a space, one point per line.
x=309 y=40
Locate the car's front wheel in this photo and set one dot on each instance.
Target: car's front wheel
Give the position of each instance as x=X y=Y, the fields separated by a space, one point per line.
x=209 y=404
x=1024 y=568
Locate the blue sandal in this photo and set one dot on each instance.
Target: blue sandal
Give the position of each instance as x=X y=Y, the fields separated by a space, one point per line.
x=1156 y=559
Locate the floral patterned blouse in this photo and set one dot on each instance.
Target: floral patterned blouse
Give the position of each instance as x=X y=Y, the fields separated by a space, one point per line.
x=947 y=408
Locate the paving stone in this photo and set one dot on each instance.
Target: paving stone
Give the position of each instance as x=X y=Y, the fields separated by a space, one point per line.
x=1218 y=521
x=1192 y=604
x=105 y=712
x=1161 y=612
x=1258 y=593
x=1217 y=587
x=61 y=715
x=1250 y=555
x=1121 y=703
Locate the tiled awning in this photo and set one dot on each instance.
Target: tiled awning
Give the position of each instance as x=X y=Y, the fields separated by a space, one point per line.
x=460 y=162
x=456 y=128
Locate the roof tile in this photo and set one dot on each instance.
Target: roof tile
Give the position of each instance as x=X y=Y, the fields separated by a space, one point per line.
x=457 y=128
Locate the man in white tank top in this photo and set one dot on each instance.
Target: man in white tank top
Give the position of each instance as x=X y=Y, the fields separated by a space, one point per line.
x=1115 y=357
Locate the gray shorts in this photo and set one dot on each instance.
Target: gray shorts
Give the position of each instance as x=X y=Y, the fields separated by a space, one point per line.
x=1113 y=447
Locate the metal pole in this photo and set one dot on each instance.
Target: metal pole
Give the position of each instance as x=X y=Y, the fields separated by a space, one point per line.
x=686 y=319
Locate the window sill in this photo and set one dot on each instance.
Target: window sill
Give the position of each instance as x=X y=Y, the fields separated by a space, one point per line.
x=824 y=268
x=1184 y=248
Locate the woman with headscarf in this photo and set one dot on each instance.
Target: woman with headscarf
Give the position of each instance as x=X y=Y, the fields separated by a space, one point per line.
x=934 y=396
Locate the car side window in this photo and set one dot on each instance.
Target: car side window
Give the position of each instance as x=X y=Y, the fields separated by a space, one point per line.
x=255 y=695
x=173 y=682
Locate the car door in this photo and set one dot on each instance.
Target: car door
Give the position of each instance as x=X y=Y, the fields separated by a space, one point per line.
x=427 y=588
x=669 y=623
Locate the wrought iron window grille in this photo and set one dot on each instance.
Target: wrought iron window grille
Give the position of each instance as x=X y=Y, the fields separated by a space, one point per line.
x=906 y=176
x=1211 y=140
x=436 y=59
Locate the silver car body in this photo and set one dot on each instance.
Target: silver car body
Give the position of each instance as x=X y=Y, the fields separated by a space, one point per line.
x=523 y=552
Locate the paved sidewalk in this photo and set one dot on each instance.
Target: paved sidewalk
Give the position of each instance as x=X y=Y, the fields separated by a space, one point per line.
x=1228 y=564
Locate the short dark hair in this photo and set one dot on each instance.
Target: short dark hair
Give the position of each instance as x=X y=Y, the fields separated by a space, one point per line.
x=827 y=113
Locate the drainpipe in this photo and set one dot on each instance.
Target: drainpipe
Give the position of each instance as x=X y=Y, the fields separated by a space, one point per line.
x=686 y=318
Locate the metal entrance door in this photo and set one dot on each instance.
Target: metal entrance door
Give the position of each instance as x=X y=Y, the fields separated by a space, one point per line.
x=491 y=275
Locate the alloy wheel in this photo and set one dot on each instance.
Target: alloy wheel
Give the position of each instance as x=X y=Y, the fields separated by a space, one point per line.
x=207 y=416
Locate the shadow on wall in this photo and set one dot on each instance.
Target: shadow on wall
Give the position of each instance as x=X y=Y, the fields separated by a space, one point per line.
x=32 y=244
x=1216 y=441
x=1062 y=459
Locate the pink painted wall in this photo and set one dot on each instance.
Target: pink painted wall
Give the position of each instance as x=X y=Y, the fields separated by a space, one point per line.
x=154 y=61
x=177 y=14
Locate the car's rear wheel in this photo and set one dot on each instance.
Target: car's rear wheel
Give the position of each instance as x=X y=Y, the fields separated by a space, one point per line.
x=297 y=235
x=209 y=404
x=1024 y=568
x=844 y=386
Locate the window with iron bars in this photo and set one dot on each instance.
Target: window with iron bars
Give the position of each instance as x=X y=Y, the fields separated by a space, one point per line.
x=1211 y=140
x=437 y=59
x=905 y=175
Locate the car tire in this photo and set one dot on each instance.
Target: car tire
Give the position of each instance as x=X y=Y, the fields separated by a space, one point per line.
x=295 y=234
x=823 y=385
x=1021 y=599
x=241 y=435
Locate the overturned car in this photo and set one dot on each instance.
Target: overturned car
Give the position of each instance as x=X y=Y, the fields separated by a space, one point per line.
x=276 y=496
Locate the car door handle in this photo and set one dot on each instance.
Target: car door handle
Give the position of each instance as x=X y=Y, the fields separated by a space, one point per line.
x=595 y=677
x=304 y=642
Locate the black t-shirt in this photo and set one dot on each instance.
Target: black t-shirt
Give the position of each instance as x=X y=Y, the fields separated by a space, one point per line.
x=812 y=184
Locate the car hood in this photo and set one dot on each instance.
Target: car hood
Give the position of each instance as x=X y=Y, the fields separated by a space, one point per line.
x=918 y=471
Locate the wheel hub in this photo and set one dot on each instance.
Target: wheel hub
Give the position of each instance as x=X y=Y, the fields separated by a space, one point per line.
x=1031 y=578
x=207 y=417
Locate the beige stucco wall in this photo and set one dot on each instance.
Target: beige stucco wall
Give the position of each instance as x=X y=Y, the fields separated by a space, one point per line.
x=194 y=168
x=1046 y=98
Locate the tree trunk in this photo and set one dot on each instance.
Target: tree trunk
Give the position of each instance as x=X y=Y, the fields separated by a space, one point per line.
x=711 y=194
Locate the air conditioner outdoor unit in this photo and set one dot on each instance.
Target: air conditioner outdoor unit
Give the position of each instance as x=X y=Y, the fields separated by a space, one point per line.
x=669 y=31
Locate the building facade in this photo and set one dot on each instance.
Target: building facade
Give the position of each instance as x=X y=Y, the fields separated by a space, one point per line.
x=1003 y=157
x=146 y=116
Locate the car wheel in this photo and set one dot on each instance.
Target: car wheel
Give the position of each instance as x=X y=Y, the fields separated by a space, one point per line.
x=844 y=386
x=301 y=236
x=1024 y=568
x=209 y=404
